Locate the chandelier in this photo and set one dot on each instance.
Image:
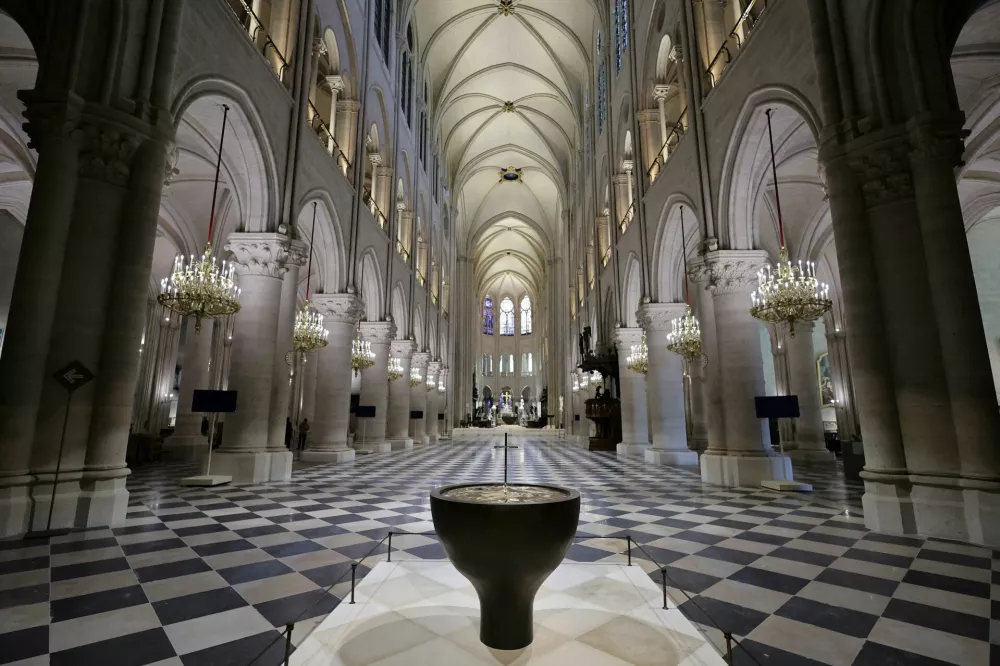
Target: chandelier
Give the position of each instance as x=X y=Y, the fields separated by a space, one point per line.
x=395 y=368
x=638 y=358
x=203 y=288
x=309 y=333
x=362 y=356
x=787 y=293
x=430 y=382
x=584 y=380
x=415 y=378
x=685 y=332
x=441 y=388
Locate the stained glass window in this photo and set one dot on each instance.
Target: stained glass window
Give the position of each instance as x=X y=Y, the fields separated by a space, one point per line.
x=487 y=365
x=525 y=315
x=506 y=316
x=488 y=316
x=621 y=31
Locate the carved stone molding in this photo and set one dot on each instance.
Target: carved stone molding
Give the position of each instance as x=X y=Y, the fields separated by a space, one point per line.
x=259 y=254
x=662 y=91
x=336 y=82
x=402 y=348
x=626 y=337
x=884 y=173
x=318 y=47
x=420 y=360
x=657 y=316
x=170 y=171
x=433 y=368
x=378 y=332
x=938 y=141
x=339 y=308
x=298 y=253
x=106 y=151
x=730 y=271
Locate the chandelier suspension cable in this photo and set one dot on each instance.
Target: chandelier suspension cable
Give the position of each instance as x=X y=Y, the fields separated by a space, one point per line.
x=309 y=263
x=774 y=177
x=309 y=332
x=684 y=338
x=684 y=259
x=218 y=172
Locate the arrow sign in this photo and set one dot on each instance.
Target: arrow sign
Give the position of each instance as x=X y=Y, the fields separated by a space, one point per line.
x=73 y=376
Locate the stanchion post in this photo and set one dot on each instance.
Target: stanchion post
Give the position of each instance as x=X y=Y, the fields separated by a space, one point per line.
x=388 y=554
x=729 y=647
x=629 y=538
x=354 y=570
x=663 y=574
x=288 y=642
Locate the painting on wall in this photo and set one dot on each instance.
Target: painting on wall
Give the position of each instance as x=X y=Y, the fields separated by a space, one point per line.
x=825 y=380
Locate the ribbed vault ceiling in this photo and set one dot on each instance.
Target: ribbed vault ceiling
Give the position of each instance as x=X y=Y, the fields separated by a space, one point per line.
x=479 y=60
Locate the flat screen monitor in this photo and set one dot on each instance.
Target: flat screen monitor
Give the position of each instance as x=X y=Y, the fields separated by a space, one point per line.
x=777 y=406
x=220 y=402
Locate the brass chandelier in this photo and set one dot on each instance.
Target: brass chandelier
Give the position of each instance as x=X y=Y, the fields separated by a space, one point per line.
x=787 y=293
x=309 y=333
x=362 y=356
x=395 y=368
x=684 y=338
x=415 y=378
x=204 y=288
x=638 y=358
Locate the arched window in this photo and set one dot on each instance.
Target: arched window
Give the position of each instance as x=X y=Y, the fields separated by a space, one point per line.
x=506 y=316
x=406 y=76
x=526 y=365
x=503 y=365
x=382 y=27
x=487 y=370
x=602 y=87
x=488 y=316
x=525 y=315
x=621 y=30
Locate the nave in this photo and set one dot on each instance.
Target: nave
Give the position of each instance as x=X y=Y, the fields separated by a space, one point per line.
x=212 y=575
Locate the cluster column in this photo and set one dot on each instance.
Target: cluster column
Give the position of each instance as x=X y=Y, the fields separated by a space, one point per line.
x=327 y=440
x=370 y=433
x=398 y=423
x=260 y=260
x=809 y=439
x=632 y=394
x=431 y=412
x=748 y=457
x=418 y=399
x=665 y=385
x=188 y=442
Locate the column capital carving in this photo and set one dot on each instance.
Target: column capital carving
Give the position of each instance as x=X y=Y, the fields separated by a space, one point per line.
x=378 y=332
x=648 y=116
x=298 y=253
x=339 y=308
x=106 y=150
x=620 y=179
x=883 y=171
x=662 y=90
x=938 y=140
x=676 y=54
x=402 y=348
x=729 y=271
x=433 y=368
x=49 y=118
x=625 y=337
x=375 y=159
x=263 y=254
x=336 y=82
x=318 y=47
x=420 y=360
x=383 y=171
x=657 y=316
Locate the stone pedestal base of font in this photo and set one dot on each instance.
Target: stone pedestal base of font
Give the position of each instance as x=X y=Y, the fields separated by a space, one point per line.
x=672 y=457
x=335 y=456
x=632 y=448
x=253 y=466
x=748 y=471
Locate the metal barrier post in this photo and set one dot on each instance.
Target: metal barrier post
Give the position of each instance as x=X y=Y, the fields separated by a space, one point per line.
x=729 y=647
x=663 y=573
x=629 y=538
x=288 y=642
x=388 y=555
x=354 y=569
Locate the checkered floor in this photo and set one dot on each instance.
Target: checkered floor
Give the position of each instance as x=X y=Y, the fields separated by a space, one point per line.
x=211 y=576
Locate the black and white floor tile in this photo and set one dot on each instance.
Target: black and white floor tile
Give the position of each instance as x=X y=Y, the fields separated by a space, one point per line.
x=202 y=576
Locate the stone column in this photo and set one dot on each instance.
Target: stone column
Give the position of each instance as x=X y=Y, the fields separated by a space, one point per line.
x=665 y=385
x=699 y=412
x=318 y=49
x=284 y=358
x=623 y=195
x=748 y=458
x=336 y=83
x=660 y=94
x=328 y=437
x=375 y=387
x=346 y=127
x=260 y=260
x=418 y=399
x=33 y=300
x=187 y=442
x=803 y=382
x=398 y=417
x=310 y=365
x=715 y=35
x=632 y=393
x=382 y=191
x=649 y=122
x=843 y=388
x=431 y=412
